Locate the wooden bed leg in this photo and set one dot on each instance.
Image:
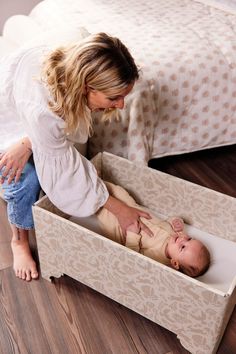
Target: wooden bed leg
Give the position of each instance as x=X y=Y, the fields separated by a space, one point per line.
x=48 y=271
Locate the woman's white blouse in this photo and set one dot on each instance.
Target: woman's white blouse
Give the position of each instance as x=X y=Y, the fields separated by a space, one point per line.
x=69 y=179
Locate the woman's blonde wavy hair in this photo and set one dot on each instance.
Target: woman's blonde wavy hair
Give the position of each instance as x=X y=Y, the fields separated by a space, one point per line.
x=100 y=62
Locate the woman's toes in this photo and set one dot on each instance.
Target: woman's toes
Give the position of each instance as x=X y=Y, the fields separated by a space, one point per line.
x=28 y=275
x=35 y=275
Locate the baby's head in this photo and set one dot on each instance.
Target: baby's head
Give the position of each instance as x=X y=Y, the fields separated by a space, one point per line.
x=188 y=255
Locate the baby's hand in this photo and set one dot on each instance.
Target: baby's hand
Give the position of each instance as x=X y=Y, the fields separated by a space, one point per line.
x=177 y=224
x=180 y=234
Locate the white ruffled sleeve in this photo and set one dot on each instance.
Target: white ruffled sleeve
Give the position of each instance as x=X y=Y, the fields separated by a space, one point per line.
x=69 y=179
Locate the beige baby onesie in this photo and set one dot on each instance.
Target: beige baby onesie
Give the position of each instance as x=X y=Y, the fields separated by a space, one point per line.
x=153 y=247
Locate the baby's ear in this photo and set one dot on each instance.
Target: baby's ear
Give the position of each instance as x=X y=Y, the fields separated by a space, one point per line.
x=174 y=264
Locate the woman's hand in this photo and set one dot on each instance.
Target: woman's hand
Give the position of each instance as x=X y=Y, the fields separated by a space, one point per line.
x=13 y=160
x=128 y=217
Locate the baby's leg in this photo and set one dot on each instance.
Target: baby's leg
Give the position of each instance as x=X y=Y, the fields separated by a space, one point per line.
x=23 y=263
x=20 y=197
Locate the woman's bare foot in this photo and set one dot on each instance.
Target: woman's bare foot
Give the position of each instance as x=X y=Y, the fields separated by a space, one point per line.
x=23 y=262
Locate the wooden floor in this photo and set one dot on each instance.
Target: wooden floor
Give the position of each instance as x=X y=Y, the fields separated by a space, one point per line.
x=67 y=317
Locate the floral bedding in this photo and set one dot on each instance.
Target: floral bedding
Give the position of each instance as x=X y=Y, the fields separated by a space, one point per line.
x=185 y=99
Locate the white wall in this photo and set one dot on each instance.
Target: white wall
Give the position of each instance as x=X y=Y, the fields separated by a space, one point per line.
x=14 y=7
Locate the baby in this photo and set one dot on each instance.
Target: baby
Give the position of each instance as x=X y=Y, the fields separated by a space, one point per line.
x=169 y=244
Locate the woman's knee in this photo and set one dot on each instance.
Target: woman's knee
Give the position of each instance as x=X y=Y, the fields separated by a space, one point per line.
x=29 y=184
x=29 y=179
x=27 y=188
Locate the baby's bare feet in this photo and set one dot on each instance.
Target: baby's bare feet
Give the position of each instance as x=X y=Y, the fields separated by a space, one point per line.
x=23 y=265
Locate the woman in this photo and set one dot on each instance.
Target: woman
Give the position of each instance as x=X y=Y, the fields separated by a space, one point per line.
x=46 y=100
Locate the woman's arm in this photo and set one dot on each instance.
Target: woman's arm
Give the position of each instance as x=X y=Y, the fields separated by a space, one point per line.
x=127 y=216
x=13 y=160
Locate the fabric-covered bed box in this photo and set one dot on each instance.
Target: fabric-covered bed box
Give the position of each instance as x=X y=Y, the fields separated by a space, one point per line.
x=197 y=310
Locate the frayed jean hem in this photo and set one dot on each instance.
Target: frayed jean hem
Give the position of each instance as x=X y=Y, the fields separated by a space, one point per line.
x=21 y=226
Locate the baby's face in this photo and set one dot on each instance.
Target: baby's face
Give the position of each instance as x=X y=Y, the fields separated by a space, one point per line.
x=184 y=250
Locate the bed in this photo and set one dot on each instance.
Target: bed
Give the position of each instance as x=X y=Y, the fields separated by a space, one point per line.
x=186 y=50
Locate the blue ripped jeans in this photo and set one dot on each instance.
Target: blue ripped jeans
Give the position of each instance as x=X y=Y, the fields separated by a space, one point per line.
x=21 y=196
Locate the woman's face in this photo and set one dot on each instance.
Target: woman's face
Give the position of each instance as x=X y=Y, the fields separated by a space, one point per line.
x=98 y=101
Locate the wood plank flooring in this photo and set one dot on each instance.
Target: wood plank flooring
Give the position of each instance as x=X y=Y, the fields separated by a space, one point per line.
x=67 y=317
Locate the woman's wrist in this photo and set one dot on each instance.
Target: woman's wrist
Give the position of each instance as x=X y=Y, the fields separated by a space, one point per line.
x=113 y=205
x=27 y=143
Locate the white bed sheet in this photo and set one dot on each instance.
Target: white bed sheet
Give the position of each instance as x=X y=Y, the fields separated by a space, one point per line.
x=226 y=5
x=185 y=98
x=221 y=274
